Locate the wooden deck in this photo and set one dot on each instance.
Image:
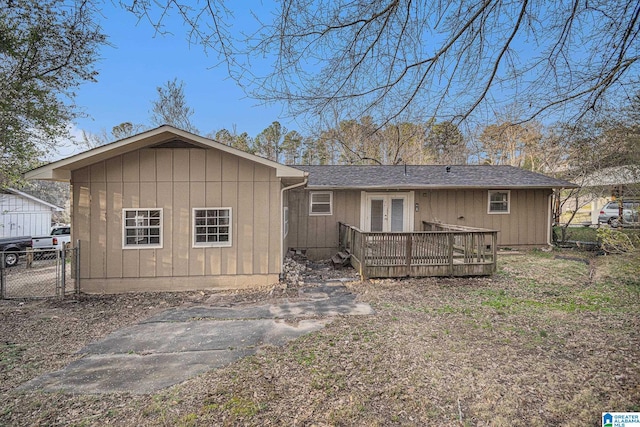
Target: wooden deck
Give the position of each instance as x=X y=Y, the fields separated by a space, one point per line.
x=439 y=250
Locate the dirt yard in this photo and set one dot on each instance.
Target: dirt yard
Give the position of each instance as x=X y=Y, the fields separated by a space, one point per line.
x=551 y=339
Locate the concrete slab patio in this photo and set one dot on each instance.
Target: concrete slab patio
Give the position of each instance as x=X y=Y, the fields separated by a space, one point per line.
x=179 y=343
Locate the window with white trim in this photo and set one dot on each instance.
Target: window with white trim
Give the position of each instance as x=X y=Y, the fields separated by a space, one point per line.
x=321 y=203
x=142 y=228
x=499 y=202
x=211 y=227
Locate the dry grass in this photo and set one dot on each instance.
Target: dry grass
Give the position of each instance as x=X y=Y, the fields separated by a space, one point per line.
x=546 y=341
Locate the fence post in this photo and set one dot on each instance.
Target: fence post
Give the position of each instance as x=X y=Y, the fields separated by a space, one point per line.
x=352 y=239
x=77 y=267
x=58 y=276
x=63 y=272
x=3 y=284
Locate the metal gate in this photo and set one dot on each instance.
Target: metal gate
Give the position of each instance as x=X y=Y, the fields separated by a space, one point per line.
x=39 y=274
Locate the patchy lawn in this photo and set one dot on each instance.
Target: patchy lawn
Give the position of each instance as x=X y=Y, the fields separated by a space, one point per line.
x=549 y=340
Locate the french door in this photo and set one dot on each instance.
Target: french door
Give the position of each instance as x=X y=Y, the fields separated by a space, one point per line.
x=387 y=212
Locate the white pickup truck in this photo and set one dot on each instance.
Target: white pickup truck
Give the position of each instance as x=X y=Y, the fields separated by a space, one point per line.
x=59 y=237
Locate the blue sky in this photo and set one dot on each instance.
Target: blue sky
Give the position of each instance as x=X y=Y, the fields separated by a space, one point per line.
x=138 y=61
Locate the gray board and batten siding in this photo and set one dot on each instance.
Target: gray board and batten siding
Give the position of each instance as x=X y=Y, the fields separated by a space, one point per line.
x=458 y=196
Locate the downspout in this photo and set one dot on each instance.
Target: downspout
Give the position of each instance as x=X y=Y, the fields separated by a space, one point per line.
x=282 y=190
x=549 y=216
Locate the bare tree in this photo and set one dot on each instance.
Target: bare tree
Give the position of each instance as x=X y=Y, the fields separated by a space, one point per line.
x=93 y=140
x=356 y=142
x=121 y=131
x=171 y=107
x=507 y=143
x=126 y=129
x=437 y=59
x=601 y=141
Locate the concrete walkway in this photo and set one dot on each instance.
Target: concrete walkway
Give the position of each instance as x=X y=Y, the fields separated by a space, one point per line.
x=180 y=343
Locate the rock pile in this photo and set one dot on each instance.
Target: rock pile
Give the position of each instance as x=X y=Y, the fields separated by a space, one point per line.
x=292 y=271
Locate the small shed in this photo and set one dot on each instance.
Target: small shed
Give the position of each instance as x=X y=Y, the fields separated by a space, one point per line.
x=24 y=215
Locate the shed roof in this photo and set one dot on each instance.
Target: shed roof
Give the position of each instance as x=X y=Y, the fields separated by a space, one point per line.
x=427 y=176
x=34 y=199
x=163 y=136
x=616 y=175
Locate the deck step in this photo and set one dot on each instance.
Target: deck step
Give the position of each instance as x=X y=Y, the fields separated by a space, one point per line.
x=341 y=259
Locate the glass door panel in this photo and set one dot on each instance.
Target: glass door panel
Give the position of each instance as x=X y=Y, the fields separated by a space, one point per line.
x=397 y=215
x=377 y=215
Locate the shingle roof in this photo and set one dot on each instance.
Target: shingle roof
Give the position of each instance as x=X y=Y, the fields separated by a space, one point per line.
x=428 y=176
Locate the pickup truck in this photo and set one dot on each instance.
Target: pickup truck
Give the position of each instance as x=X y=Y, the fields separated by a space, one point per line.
x=12 y=247
x=58 y=238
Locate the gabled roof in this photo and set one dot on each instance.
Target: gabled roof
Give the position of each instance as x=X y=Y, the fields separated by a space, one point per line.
x=163 y=136
x=32 y=198
x=427 y=176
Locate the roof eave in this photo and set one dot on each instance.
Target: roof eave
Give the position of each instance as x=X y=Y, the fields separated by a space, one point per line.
x=61 y=170
x=436 y=187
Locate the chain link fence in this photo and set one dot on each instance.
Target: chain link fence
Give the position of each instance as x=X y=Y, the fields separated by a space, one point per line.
x=39 y=274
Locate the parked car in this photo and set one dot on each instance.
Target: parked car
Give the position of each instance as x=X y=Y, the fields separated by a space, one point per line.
x=56 y=240
x=13 y=247
x=610 y=212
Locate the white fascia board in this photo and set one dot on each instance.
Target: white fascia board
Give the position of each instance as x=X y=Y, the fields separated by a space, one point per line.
x=61 y=169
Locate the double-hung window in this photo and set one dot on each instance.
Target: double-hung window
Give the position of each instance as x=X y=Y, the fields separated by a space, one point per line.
x=142 y=228
x=211 y=227
x=499 y=202
x=321 y=203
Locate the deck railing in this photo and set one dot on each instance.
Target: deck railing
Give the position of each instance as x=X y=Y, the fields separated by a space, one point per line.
x=439 y=250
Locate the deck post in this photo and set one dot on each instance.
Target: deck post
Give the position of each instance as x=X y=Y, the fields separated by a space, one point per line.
x=363 y=257
x=408 y=252
x=494 y=246
x=451 y=243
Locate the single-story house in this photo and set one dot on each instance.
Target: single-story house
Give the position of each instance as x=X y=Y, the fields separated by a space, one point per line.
x=170 y=210
x=24 y=215
x=513 y=201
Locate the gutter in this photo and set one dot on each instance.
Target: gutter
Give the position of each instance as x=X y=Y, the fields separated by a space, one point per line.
x=282 y=236
x=429 y=187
